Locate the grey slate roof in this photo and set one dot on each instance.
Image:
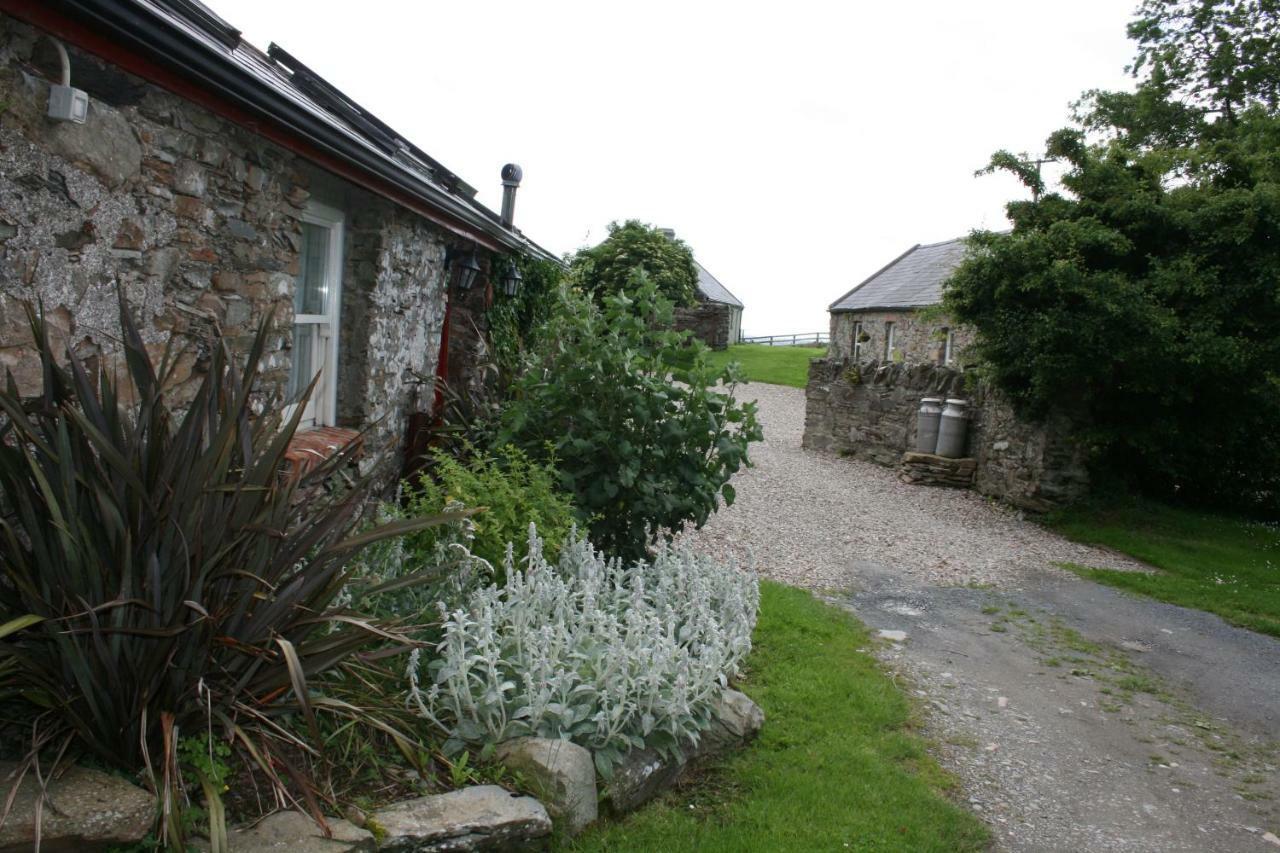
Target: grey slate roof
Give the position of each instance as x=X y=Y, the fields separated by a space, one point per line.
x=913 y=280
x=712 y=290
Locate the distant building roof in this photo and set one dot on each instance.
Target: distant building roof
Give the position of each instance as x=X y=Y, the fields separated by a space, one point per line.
x=913 y=280
x=711 y=288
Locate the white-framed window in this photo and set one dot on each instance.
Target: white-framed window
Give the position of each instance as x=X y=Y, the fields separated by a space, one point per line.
x=857 y=341
x=948 y=343
x=317 y=294
x=889 y=342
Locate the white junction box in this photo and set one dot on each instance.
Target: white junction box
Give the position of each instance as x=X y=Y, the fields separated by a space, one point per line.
x=67 y=103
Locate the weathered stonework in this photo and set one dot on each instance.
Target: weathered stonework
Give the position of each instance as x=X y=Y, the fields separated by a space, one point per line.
x=710 y=322
x=917 y=338
x=199 y=222
x=869 y=410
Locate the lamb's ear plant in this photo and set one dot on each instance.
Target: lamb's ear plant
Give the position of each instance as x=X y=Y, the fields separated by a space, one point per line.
x=160 y=576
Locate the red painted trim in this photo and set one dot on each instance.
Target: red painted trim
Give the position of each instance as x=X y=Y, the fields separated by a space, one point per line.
x=442 y=364
x=73 y=32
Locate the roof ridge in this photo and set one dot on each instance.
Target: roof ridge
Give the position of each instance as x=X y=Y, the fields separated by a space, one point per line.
x=941 y=243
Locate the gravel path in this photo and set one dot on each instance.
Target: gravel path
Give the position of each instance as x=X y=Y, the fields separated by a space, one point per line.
x=803 y=518
x=1077 y=718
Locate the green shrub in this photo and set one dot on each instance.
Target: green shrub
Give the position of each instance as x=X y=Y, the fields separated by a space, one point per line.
x=606 y=269
x=158 y=575
x=510 y=490
x=630 y=412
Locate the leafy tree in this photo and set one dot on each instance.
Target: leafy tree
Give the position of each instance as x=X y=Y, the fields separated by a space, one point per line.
x=630 y=412
x=606 y=269
x=1144 y=297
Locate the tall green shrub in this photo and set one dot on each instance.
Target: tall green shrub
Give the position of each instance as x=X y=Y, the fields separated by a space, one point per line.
x=643 y=438
x=606 y=269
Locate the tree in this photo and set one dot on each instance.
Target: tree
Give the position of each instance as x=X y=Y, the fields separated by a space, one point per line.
x=606 y=269
x=1144 y=297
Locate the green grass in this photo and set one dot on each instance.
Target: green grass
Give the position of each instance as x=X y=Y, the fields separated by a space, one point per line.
x=836 y=767
x=775 y=365
x=1228 y=566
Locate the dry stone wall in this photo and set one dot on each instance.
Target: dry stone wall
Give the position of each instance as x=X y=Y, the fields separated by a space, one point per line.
x=199 y=222
x=710 y=322
x=868 y=411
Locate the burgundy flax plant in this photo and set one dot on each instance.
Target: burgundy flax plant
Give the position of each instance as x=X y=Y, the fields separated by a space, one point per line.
x=159 y=577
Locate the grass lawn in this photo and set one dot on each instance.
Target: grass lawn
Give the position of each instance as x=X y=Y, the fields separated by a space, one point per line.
x=1229 y=566
x=775 y=365
x=835 y=768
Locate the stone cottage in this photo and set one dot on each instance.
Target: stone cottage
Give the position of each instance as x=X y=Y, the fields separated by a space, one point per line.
x=144 y=145
x=883 y=318
x=890 y=347
x=717 y=318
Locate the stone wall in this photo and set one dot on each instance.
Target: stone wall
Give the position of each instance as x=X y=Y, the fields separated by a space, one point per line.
x=918 y=338
x=868 y=411
x=710 y=322
x=199 y=222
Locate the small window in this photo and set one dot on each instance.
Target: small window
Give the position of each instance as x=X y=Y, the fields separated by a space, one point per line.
x=857 y=341
x=889 y=342
x=948 y=342
x=316 y=297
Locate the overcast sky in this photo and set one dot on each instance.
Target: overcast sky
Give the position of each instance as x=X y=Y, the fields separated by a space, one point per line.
x=796 y=146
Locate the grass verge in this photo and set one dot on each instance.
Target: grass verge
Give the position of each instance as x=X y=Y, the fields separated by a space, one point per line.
x=1228 y=566
x=775 y=365
x=836 y=767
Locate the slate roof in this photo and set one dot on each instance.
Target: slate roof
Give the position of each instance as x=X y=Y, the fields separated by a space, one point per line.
x=913 y=280
x=712 y=290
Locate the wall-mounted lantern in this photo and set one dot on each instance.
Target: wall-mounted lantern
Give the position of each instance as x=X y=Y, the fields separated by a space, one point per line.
x=511 y=281
x=462 y=267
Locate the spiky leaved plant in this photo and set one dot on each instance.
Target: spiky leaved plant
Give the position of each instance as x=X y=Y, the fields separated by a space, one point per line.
x=159 y=575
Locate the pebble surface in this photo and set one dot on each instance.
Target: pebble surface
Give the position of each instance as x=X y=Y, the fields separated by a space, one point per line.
x=805 y=518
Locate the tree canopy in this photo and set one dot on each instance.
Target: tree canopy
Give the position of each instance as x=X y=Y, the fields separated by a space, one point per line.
x=606 y=269
x=1143 y=296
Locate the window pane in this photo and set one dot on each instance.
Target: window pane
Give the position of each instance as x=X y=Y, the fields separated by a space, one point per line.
x=310 y=292
x=304 y=365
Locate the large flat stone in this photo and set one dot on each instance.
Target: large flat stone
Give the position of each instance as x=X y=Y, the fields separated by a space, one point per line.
x=640 y=776
x=296 y=832
x=735 y=720
x=563 y=776
x=484 y=817
x=85 y=810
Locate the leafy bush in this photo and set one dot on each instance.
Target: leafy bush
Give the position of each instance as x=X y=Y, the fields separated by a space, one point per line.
x=1143 y=297
x=609 y=655
x=606 y=269
x=161 y=577
x=509 y=490
x=642 y=439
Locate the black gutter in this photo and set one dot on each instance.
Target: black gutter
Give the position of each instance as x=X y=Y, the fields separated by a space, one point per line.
x=141 y=30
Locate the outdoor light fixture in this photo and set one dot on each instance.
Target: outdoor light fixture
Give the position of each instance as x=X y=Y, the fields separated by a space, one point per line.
x=464 y=266
x=511 y=281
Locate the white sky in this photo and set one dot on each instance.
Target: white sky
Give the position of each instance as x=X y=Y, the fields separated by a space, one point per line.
x=796 y=146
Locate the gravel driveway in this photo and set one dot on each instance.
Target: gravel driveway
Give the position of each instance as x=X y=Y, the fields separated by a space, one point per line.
x=1077 y=718
x=805 y=517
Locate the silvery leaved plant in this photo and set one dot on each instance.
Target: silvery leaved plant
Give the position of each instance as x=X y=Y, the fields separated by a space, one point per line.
x=611 y=656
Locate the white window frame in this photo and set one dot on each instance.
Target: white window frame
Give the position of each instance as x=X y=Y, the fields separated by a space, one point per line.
x=857 y=344
x=947 y=347
x=322 y=408
x=890 y=328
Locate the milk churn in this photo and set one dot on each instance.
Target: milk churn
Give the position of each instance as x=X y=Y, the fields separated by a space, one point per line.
x=927 y=424
x=953 y=429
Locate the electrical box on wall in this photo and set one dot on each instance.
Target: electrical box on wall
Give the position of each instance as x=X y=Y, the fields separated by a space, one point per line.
x=67 y=103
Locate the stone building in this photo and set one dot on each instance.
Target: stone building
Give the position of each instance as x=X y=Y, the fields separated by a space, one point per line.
x=717 y=318
x=214 y=184
x=885 y=317
x=891 y=347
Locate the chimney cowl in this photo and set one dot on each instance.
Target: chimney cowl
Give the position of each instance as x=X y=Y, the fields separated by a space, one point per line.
x=512 y=175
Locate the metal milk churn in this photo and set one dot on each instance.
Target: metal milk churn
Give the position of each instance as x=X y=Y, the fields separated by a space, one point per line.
x=927 y=424
x=953 y=429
